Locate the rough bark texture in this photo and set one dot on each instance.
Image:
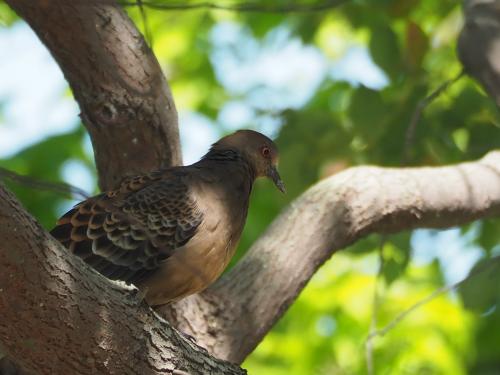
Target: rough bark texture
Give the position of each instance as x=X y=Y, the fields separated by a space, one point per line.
x=45 y=292
x=63 y=318
x=233 y=316
x=60 y=317
x=124 y=99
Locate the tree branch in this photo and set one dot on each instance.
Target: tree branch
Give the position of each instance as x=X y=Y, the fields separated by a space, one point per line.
x=129 y=112
x=319 y=6
x=62 y=188
x=60 y=317
x=233 y=316
x=125 y=102
x=493 y=262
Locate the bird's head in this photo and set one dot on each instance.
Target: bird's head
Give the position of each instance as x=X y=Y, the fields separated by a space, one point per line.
x=258 y=150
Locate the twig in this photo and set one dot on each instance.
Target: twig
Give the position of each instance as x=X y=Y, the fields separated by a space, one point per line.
x=237 y=7
x=376 y=304
x=59 y=187
x=437 y=292
x=417 y=114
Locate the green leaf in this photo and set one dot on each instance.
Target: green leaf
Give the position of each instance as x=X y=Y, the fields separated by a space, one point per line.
x=7 y=16
x=489 y=236
x=365 y=245
x=43 y=161
x=385 y=51
x=396 y=255
x=367 y=111
x=398 y=8
x=482 y=291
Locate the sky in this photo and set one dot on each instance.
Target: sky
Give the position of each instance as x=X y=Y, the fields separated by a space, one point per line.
x=36 y=106
x=32 y=91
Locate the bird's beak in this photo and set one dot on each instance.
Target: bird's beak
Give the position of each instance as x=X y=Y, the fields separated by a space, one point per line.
x=273 y=174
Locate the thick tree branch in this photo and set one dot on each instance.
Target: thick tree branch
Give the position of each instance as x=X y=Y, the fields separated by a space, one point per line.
x=60 y=317
x=127 y=107
x=124 y=99
x=235 y=314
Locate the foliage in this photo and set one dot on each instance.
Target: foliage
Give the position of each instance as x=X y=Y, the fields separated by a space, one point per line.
x=337 y=123
x=324 y=331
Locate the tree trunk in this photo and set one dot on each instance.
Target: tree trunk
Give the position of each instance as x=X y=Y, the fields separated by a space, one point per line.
x=125 y=102
x=60 y=317
x=56 y=307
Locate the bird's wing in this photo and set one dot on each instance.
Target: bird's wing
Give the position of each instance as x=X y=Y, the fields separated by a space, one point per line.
x=125 y=234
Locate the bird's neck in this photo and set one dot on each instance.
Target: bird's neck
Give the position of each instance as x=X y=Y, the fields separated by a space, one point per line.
x=237 y=172
x=232 y=176
x=230 y=159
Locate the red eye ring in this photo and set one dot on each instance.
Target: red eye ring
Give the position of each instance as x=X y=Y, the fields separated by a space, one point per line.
x=266 y=151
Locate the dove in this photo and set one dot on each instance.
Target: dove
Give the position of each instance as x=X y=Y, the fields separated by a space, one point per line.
x=173 y=231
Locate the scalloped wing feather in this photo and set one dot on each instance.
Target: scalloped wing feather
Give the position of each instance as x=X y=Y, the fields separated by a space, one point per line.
x=126 y=233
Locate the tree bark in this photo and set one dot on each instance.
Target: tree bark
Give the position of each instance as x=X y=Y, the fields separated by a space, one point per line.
x=233 y=316
x=64 y=318
x=125 y=102
x=56 y=308
x=61 y=317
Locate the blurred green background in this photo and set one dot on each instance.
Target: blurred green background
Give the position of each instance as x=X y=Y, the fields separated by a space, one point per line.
x=335 y=88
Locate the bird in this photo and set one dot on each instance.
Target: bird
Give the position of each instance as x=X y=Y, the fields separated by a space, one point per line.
x=173 y=231
x=478 y=45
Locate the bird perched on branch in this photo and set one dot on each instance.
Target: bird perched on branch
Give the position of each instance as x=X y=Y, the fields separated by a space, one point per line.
x=172 y=232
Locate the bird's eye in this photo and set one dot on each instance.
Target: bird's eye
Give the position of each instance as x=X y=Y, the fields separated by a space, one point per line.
x=266 y=152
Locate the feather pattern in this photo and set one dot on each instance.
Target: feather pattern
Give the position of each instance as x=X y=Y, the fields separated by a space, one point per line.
x=172 y=232
x=125 y=234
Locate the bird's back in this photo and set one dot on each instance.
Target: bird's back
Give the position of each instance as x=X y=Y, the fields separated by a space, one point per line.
x=125 y=234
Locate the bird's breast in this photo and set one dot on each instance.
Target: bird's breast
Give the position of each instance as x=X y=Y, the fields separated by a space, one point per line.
x=197 y=264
